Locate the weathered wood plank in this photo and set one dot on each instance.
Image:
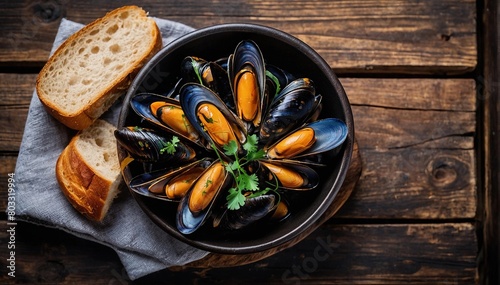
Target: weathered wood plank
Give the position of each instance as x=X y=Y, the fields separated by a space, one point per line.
x=333 y=254
x=412 y=94
x=7 y=166
x=353 y=36
x=422 y=113
x=16 y=91
x=414 y=183
x=489 y=144
x=416 y=138
x=400 y=128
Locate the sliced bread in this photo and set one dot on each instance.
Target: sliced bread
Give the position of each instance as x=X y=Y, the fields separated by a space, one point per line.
x=88 y=170
x=94 y=66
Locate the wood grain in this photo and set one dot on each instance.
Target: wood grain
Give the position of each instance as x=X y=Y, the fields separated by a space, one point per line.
x=7 y=166
x=16 y=91
x=489 y=144
x=353 y=36
x=421 y=113
x=416 y=138
x=415 y=184
x=427 y=94
x=333 y=254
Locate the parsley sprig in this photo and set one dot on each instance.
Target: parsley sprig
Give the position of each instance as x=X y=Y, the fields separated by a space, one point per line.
x=244 y=183
x=170 y=146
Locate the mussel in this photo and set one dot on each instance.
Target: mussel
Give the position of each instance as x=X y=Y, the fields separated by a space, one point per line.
x=255 y=209
x=281 y=212
x=196 y=205
x=246 y=70
x=311 y=139
x=147 y=145
x=209 y=74
x=165 y=113
x=170 y=184
x=210 y=117
x=291 y=175
x=180 y=184
x=293 y=144
x=302 y=83
x=293 y=106
x=276 y=79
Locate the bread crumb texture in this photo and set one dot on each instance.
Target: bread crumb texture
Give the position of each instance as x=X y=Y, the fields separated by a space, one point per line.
x=98 y=144
x=94 y=60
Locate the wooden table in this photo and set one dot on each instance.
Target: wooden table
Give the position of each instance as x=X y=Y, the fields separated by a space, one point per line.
x=422 y=78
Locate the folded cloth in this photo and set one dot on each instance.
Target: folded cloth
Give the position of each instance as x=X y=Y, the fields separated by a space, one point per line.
x=142 y=246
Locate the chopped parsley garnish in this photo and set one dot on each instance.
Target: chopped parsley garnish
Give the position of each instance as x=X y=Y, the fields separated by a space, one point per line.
x=244 y=182
x=170 y=146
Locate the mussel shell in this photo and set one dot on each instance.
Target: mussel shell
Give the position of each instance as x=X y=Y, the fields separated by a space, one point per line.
x=209 y=74
x=220 y=84
x=309 y=176
x=192 y=95
x=286 y=114
x=146 y=145
x=276 y=80
x=303 y=83
x=329 y=133
x=254 y=209
x=281 y=211
x=247 y=56
x=142 y=183
x=189 y=221
x=141 y=106
x=192 y=68
x=174 y=92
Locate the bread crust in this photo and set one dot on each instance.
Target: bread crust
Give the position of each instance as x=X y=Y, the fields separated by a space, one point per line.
x=88 y=113
x=85 y=189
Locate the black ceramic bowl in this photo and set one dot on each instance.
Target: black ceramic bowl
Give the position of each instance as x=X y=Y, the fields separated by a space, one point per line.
x=279 y=49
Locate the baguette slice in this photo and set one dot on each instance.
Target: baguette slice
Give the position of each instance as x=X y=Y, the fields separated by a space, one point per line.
x=88 y=170
x=94 y=66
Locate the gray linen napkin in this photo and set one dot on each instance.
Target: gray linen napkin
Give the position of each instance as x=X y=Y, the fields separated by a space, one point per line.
x=142 y=247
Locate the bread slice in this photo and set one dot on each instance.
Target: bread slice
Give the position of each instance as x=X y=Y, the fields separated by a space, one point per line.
x=94 y=66
x=88 y=170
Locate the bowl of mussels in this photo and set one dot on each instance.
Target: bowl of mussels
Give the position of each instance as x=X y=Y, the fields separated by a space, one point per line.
x=236 y=138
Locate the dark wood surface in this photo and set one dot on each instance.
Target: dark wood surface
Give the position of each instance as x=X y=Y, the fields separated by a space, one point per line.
x=488 y=215
x=423 y=84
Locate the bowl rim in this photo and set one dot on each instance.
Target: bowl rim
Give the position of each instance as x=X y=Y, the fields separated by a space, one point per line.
x=347 y=147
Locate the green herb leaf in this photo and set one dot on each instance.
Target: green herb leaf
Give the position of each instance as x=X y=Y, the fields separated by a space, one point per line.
x=170 y=146
x=248 y=182
x=244 y=182
x=276 y=81
x=230 y=148
x=251 y=144
x=256 y=155
x=235 y=165
x=259 y=193
x=235 y=199
x=196 y=71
